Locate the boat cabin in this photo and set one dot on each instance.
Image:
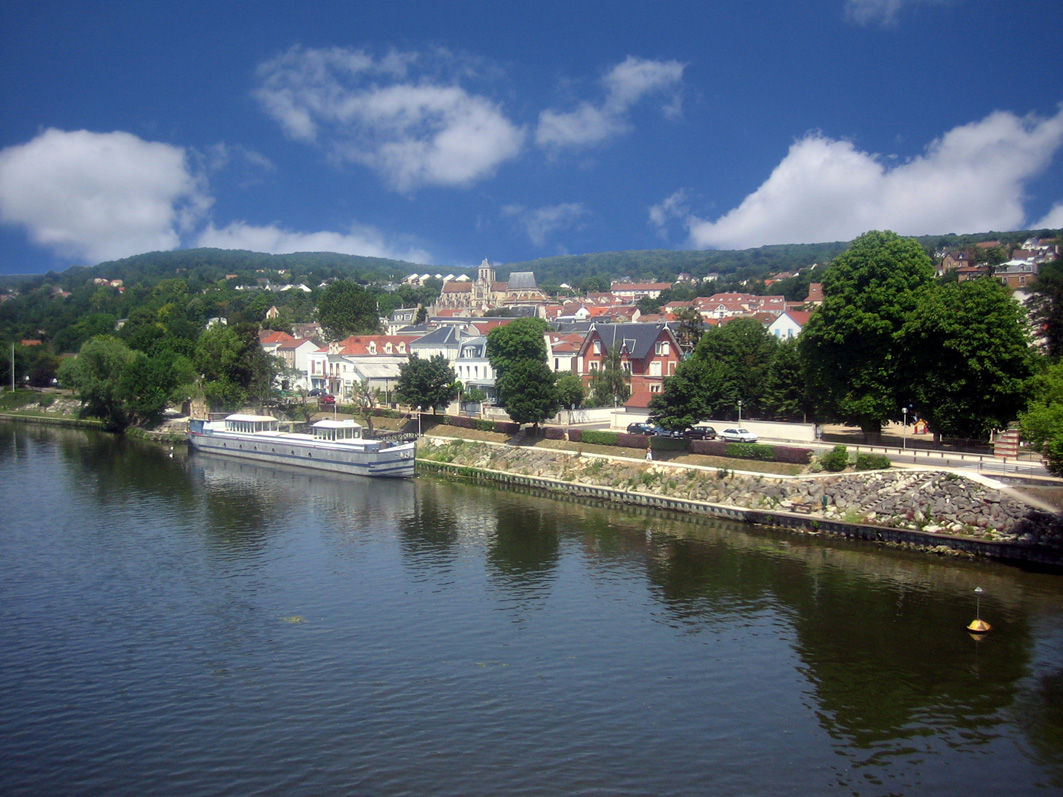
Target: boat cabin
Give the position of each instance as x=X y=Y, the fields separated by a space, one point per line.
x=337 y=431
x=250 y=424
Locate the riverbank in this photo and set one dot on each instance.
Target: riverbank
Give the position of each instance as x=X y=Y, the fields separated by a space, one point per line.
x=943 y=511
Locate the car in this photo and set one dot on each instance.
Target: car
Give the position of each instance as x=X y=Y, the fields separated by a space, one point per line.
x=738 y=435
x=317 y=391
x=328 y=399
x=641 y=428
x=699 y=432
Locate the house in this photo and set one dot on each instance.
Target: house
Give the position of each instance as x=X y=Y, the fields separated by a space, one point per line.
x=270 y=340
x=562 y=352
x=296 y=353
x=788 y=325
x=473 y=368
x=1016 y=275
x=648 y=352
x=445 y=340
x=633 y=291
x=370 y=361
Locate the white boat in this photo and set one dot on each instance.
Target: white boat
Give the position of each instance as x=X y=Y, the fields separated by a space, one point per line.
x=336 y=446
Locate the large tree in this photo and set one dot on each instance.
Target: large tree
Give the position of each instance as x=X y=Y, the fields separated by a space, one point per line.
x=695 y=392
x=95 y=376
x=525 y=384
x=966 y=359
x=346 y=308
x=611 y=384
x=848 y=345
x=1042 y=423
x=746 y=350
x=785 y=393
x=1046 y=307
x=528 y=391
x=427 y=383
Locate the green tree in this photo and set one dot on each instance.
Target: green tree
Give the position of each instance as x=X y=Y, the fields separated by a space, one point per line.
x=745 y=349
x=690 y=395
x=570 y=391
x=427 y=383
x=785 y=393
x=528 y=392
x=95 y=376
x=347 y=308
x=966 y=358
x=691 y=328
x=1042 y=422
x=146 y=386
x=1046 y=307
x=611 y=384
x=848 y=345
x=519 y=340
x=233 y=367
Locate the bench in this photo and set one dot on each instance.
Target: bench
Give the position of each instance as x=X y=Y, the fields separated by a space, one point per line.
x=803 y=507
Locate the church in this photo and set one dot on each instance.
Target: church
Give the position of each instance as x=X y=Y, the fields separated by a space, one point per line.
x=486 y=293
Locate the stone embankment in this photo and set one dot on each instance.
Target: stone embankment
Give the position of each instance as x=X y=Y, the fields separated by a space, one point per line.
x=936 y=504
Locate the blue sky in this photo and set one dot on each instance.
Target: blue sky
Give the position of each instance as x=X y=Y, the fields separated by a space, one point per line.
x=444 y=133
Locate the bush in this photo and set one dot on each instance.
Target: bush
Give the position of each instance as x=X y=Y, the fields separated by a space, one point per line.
x=575 y=435
x=872 y=462
x=554 y=433
x=792 y=455
x=667 y=444
x=837 y=460
x=632 y=440
x=600 y=438
x=506 y=427
x=484 y=426
x=751 y=451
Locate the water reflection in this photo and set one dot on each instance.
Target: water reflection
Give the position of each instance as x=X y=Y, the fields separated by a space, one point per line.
x=615 y=650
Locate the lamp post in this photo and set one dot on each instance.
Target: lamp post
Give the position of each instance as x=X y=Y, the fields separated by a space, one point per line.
x=904 y=431
x=739 y=412
x=418 y=421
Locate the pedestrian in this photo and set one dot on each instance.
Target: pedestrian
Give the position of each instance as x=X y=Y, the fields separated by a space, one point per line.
x=649 y=454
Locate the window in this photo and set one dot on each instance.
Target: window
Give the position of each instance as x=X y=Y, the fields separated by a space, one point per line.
x=597 y=347
x=661 y=349
x=594 y=365
x=626 y=365
x=655 y=388
x=655 y=368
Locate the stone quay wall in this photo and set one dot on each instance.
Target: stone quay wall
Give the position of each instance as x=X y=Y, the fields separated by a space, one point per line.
x=936 y=510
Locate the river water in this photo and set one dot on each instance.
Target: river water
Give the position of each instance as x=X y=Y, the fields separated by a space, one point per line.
x=176 y=624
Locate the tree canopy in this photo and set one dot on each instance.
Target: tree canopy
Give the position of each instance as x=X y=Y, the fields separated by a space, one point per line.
x=346 y=308
x=1042 y=423
x=848 y=344
x=965 y=358
x=522 y=339
x=427 y=383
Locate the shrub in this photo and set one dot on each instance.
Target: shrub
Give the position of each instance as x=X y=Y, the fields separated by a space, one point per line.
x=836 y=460
x=792 y=455
x=484 y=426
x=667 y=444
x=599 y=438
x=751 y=451
x=507 y=427
x=554 y=433
x=872 y=462
x=626 y=440
x=575 y=435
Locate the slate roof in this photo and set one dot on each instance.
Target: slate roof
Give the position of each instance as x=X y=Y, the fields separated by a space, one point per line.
x=638 y=339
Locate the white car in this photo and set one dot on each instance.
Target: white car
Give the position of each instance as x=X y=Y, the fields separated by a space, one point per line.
x=734 y=435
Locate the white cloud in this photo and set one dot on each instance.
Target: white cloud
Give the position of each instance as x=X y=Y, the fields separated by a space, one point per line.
x=672 y=207
x=100 y=196
x=541 y=223
x=359 y=240
x=412 y=131
x=1053 y=220
x=970 y=180
x=626 y=84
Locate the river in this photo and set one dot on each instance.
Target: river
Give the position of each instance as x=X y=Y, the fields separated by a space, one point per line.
x=180 y=624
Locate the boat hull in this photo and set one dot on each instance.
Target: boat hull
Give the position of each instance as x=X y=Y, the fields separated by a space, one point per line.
x=385 y=461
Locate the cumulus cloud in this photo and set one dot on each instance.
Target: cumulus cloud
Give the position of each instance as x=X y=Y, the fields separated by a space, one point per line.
x=971 y=179
x=1053 y=220
x=673 y=207
x=412 y=130
x=359 y=240
x=539 y=224
x=626 y=84
x=100 y=196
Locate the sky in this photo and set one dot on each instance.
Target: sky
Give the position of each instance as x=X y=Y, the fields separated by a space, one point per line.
x=442 y=133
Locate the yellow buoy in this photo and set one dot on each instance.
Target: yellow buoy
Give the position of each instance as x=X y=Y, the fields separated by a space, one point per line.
x=978 y=625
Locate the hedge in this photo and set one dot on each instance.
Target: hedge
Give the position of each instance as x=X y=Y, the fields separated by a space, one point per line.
x=599 y=438
x=575 y=435
x=872 y=462
x=553 y=433
x=667 y=443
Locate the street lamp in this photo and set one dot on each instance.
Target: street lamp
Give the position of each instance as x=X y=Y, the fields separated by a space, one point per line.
x=904 y=431
x=739 y=412
x=418 y=421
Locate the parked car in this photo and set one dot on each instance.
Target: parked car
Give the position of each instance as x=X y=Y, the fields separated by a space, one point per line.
x=738 y=435
x=317 y=391
x=328 y=399
x=641 y=428
x=699 y=432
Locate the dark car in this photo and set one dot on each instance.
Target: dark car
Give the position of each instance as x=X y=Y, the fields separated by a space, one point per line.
x=641 y=428
x=317 y=391
x=699 y=432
